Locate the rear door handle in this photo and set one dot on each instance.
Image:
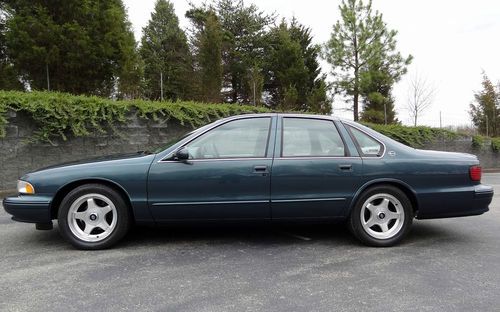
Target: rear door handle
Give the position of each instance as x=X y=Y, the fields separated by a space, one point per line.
x=345 y=167
x=262 y=169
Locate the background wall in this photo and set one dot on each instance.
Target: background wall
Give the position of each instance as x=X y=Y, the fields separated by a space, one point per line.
x=18 y=156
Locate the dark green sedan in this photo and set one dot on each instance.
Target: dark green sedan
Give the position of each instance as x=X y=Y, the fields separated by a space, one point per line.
x=263 y=167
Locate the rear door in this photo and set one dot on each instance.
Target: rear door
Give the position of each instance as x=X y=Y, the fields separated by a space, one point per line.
x=314 y=173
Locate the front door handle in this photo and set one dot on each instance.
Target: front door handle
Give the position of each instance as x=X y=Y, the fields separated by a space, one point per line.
x=261 y=169
x=345 y=167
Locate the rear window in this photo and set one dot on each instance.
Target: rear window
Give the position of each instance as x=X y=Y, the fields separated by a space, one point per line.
x=367 y=145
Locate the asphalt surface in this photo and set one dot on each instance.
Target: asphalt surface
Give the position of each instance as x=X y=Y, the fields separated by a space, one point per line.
x=443 y=265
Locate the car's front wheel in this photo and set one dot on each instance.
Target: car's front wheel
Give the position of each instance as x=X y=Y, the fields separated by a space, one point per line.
x=382 y=216
x=93 y=216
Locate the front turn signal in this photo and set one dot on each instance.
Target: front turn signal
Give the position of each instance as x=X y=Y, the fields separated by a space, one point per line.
x=24 y=187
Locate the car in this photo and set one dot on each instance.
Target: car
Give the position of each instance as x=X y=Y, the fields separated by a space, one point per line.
x=257 y=167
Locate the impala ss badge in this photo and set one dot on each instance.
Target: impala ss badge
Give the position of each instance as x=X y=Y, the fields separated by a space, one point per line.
x=391 y=153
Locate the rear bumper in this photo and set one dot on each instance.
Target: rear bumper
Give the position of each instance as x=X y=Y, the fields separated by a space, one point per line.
x=467 y=202
x=31 y=209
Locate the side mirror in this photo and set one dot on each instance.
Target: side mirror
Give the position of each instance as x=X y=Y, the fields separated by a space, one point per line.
x=181 y=154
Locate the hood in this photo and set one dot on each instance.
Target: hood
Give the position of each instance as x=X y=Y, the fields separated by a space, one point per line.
x=97 y=159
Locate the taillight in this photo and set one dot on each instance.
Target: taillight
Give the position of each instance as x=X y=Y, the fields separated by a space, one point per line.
x=475 y=173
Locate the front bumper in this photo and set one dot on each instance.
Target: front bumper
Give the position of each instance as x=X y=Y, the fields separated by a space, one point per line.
x=28 y=208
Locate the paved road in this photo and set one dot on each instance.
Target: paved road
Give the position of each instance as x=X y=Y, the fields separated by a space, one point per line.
x=444 y=265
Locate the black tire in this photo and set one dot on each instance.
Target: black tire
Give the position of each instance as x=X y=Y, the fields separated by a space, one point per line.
x=120 y=226
x=366 y=234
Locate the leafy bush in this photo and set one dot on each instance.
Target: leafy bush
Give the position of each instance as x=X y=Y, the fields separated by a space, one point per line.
x=58 y=115
x=413 y=136
x=477 y=141
x=495 y=144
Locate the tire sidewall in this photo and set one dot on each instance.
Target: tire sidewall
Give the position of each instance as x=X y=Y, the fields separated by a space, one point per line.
x=122 y=215
x=355 y=218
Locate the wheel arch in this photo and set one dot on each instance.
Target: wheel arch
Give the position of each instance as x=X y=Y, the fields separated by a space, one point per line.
x=64 y=190
x=404 y=187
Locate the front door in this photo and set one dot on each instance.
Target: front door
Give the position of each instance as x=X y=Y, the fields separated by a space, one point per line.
x=227 y=175
x=314 y=175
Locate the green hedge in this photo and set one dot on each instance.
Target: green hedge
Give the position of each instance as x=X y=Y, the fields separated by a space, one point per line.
x=414 y=136
x=58 y=115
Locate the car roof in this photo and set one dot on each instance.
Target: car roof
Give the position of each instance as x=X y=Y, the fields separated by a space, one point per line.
x=329 y=117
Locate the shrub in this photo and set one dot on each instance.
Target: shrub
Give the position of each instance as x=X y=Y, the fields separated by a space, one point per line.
x=495 y=144
x=477 y=141
x=58 y=115
x=413 y=136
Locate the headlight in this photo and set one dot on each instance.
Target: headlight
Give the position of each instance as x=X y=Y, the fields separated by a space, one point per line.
x=24 y=187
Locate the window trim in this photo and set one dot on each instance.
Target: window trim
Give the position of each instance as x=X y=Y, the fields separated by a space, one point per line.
x=168 y=157
x=348 y=127
x=282 y=130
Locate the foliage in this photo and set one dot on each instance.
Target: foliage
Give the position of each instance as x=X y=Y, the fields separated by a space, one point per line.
x=84 y=47
x=8 y=76
x=495 y=144
x=360 y=45
x=165 y=51
x=378 y=102
x=413 y=136
x=243 y=31
x=58 y=115
x=484 y=111
x=478 y=141
x=207 y=40
x=292 y=67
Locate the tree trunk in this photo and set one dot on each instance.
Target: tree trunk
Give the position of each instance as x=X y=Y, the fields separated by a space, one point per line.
x=355 y=106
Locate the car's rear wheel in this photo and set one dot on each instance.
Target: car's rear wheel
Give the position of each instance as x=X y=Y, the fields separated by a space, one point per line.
x=93 y=216
x=382 y=216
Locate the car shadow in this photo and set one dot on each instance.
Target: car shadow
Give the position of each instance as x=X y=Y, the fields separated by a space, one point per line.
x=333 y=235
x=266 y=235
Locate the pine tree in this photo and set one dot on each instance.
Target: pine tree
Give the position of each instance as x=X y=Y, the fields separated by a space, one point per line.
x=485 y=111
x=166 y=55
x=8 y=75
x=79 y=47
x=206 y=44
x=293 y=73
x=360 y=43
x=244 y=29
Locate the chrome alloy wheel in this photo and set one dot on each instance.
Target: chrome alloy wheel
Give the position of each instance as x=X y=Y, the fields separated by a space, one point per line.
x=92 y=217
x=382 y=216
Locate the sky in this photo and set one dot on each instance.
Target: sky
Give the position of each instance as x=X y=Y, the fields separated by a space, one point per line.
x=452 y=42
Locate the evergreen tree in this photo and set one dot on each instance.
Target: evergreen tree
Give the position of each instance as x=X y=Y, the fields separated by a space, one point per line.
x=206 y=42
x=361 y=43
x=293 y=73
x=79 y=47
x=165 y=53
x=287 y=74
x=485 y=111
x=378 y=102
x=243 y=33
x=8 y=76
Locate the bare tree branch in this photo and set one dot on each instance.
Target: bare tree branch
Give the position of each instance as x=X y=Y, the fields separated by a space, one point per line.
x=420 y=96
